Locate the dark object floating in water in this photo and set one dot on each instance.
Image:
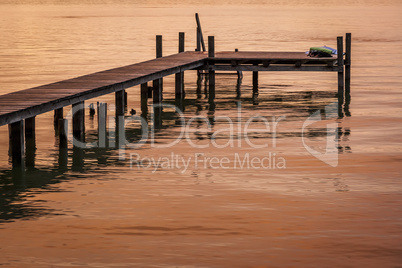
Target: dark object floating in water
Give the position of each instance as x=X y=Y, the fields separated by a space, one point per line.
x=133 y=112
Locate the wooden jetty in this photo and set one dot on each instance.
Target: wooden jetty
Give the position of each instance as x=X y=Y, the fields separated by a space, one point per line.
x=18 y=109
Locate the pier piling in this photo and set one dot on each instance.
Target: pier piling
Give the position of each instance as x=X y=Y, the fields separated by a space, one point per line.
x=78 y=110
x=58 y=114
x=348 y=63
x=16 y=142
x=119 y=101
x=255 y=79
x=179 y=77
x=30 y=142
x=102 y=129
x=63 y=149
x=340 y=70
x=158 y=83
x=211 y=75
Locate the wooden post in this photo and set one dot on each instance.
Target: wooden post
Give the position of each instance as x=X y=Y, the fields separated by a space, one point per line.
x=159 y=46
x=120 y=132
x=156 y=91
x=348 y=62
x=63 y=150
x=199 y=32
x=16 y=141
x=102 y=129
x=144 y=100
x=79 y=120
x=30 y=128
x=125 y=100
x=58 y=114
x=211 y=46
x=63 y=128
x=211 y=54
x=198 y=41
x=255 y=79
x=179 y=77
x=158 y=83
x=181 y=42
x=340 y=70
x=30 y=142
x=179 y=85
x=144 y=93
x=119 y=101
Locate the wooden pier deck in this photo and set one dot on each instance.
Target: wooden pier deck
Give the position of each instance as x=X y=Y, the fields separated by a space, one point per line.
x=27 y=103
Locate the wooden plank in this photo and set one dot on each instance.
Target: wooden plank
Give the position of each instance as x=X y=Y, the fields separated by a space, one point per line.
x=271 y=68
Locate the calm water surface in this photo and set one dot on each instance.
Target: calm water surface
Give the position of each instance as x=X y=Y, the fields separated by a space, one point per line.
x=103 y=207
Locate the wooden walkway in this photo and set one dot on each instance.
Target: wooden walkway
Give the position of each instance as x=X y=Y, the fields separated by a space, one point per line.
x=27 y=103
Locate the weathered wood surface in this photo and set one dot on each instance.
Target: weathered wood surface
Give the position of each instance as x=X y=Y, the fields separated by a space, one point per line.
x=27 y=103
x=22 y=104
x=267 y=58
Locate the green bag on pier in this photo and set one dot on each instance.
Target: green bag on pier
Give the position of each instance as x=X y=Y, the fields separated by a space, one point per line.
x=319 y=52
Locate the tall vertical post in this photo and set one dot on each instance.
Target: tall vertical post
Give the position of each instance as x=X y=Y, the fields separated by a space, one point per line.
x=119 y=101
x=179 y=77
x=158 y=83
x=102 y=129
x=340 y=70
x=16 y=139
x=348 y=62
x=159 y=46
x=79 y=121
x=30 y=142
x=181 y=42
x=211 y=55
x=200 y=38
x=198 y=41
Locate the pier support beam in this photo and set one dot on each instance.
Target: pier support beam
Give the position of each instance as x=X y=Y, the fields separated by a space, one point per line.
x=158 y=83
x=255 y=79
x=120 y=101
x=179 y=77
x=340 y=70
x=16 y=142
x=211 y=54
x=58 y=114
x=102 y=129
x=348 y=62
x=63 y=149
x=79 y=120
x=144 y=100
x=30 y=142
x=157 y=91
